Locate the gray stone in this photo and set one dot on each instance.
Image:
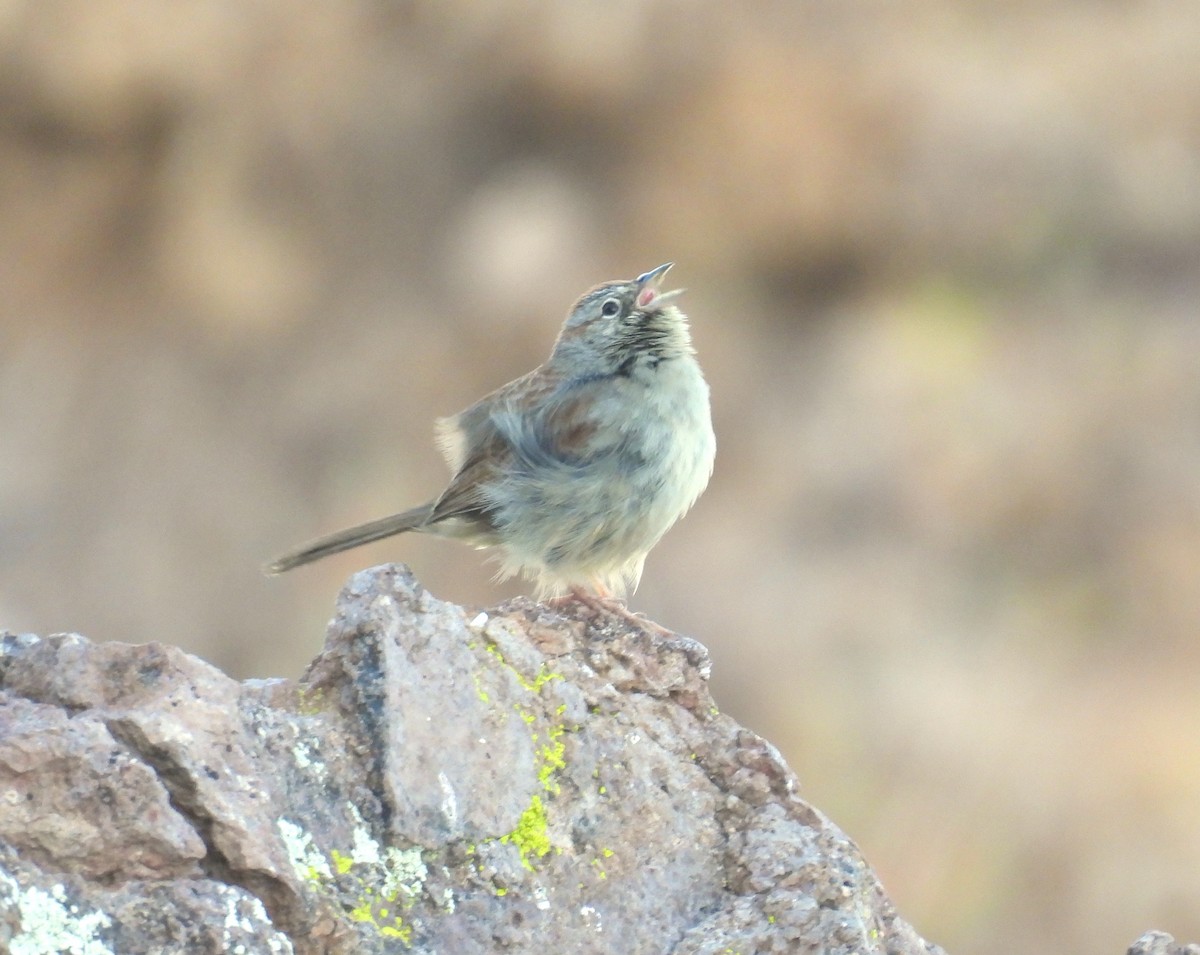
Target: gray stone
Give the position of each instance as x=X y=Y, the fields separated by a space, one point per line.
x=1160 y=943
x=438 y=781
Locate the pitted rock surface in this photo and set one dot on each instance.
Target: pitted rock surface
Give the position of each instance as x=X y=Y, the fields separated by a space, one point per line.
x=439 y=781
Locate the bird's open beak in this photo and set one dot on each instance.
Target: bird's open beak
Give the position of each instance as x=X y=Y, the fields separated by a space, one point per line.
x=648 y=292
x=654 y=276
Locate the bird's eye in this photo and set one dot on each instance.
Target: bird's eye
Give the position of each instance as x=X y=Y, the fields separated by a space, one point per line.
x=610 y=307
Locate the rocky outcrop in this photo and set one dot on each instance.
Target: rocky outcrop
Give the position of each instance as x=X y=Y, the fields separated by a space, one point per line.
x=1160 y=943
x=438 y=781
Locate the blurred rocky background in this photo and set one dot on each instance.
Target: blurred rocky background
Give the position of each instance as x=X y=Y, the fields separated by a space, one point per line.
x=944 y=262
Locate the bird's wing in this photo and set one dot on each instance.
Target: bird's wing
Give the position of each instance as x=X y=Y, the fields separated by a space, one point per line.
x=538 y=421
x=460 y=437
x=478 y=451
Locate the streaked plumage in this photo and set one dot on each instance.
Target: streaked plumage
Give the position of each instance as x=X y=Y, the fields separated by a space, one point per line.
x=577 y=469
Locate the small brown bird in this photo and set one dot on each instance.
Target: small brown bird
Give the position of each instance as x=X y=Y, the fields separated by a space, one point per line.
x=577 y=469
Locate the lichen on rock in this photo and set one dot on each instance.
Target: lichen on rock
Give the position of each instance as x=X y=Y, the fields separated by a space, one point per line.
x=437 y=781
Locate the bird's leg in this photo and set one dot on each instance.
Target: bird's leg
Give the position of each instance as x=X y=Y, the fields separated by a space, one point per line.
x=598 y=601
x=602 y=601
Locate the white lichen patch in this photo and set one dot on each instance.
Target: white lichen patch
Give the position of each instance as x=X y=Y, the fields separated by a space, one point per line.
x=398 y=873
x=365 y=850
x=306 y=757
x=403 y=872
x=234 y=919
x=539 y=895
x=50 y=922
x=449 y=799
x=245 y=917
x=306 y=858
x=591 y=918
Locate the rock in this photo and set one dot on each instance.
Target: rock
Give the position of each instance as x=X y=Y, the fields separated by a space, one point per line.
x=438 y=781
x=1160 y=943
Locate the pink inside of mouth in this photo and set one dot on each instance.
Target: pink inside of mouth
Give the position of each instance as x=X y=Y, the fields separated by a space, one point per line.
x=645 y=297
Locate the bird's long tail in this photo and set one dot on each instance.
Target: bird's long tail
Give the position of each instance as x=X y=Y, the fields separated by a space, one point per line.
x=351 y=537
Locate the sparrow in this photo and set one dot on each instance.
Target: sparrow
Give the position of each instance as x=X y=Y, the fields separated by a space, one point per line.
x=574 y=471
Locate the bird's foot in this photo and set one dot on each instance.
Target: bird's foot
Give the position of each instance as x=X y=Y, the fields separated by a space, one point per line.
x=607 y=604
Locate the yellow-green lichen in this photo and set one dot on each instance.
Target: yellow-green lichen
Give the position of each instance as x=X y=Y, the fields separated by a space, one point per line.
x=377 y=914
x=544 y=674
x=530 y=835
x=310 y=700
x=604 y=853
x=551 y=756
x=381 y=882
x=386 y=884
x=479 y=690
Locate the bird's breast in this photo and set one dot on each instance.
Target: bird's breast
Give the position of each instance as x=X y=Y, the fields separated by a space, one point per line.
x=594 y=510
x=659 y=432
